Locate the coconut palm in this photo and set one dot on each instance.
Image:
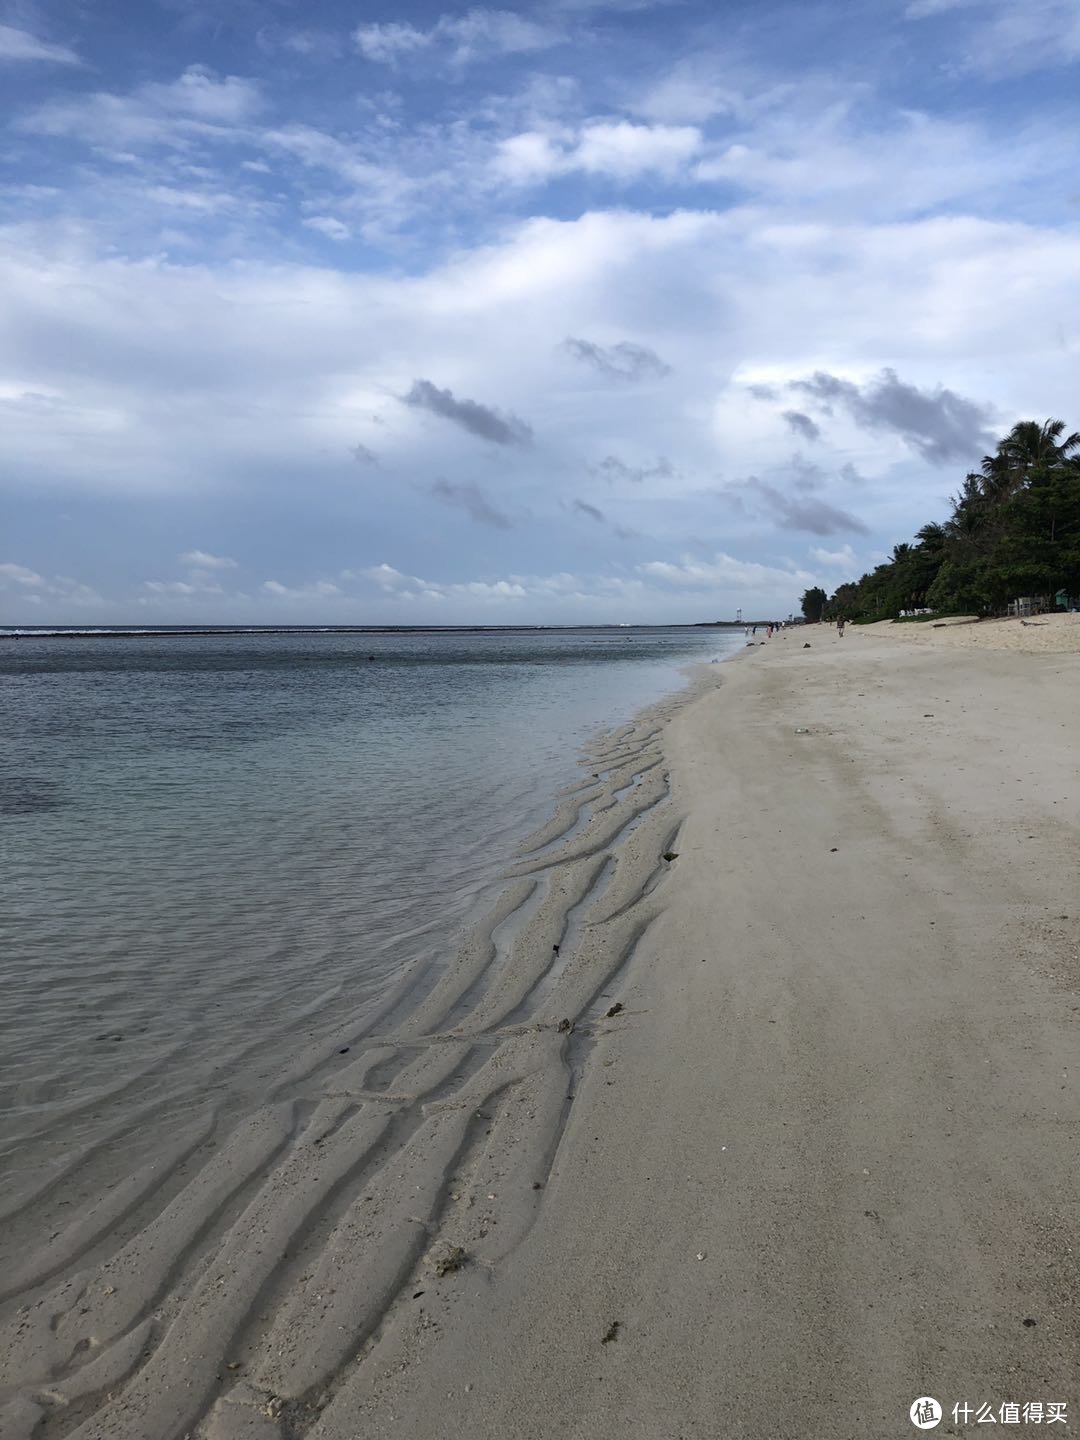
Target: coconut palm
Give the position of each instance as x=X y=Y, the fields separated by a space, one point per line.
x=1027 y=449
x=1014 y=528
x=1034 y=446
x=932 y=537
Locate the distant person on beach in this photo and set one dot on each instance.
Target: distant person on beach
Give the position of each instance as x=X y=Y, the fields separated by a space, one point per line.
x=840 y=627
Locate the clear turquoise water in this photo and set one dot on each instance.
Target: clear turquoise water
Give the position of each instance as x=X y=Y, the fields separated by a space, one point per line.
x=215 y=845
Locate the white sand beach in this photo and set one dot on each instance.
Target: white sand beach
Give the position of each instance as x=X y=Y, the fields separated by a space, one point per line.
x=1056 y=633
x=759 y=1120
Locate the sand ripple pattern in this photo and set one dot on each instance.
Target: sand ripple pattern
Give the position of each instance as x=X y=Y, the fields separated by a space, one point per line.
x=245 y=1273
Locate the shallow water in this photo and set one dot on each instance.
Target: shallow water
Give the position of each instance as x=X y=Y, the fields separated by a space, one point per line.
x=218 y=846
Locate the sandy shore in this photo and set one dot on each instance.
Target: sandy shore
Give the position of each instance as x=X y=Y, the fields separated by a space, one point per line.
x=1041 y=635
x=819 y=1161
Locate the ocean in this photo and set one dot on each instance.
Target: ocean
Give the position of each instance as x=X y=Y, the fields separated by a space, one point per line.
x=219 y=846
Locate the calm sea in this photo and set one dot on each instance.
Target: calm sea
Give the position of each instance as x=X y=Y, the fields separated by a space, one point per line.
x=213 y=845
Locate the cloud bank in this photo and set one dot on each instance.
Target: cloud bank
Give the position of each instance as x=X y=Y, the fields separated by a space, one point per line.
x=501 y=308
x=939 y=425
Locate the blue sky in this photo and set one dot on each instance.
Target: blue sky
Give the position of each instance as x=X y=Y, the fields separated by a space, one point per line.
x=605 y=310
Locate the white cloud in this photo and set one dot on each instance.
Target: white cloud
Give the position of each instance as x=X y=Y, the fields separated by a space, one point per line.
x=478 y=34
x=55 y=590
x=560 y=586
x=20 y=45
x=316 y=148
x=1010 y=38
x=386 y=576
x=511 y=588
x=328 y=226
x=809 y=145
x=386 y=43
x=317 y=590
x=692 y=90
x=202 y=560
x=842 y=559
x=726 y=573
x=157 y=340
x=729 y=82
x=700 y=587
x=380 y=194
x=19 y=575
x=625 y=150
x=920 y=9
x=617 y=7
x=181 y=588
x=196 y=104
x=198 y=202
x=273 y=365
x=266 y=372
x=828 y=162
x=619 y=149
x=199 y=92
x=203 y=570
x=528 y=158
x=312 y=44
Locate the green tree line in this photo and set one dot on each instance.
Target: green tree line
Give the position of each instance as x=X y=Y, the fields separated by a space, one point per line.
x=1014 y=530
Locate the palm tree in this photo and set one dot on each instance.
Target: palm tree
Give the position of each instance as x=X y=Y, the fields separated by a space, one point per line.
x=1027 y=449
x=1033 y=445
x=932 y=537
x=971 y=513
x=996 y=477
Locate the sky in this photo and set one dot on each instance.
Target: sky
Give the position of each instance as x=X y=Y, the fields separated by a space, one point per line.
x=597 y=311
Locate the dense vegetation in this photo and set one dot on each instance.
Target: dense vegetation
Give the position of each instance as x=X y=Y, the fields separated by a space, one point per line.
x=813 y=604
x=1014 y=530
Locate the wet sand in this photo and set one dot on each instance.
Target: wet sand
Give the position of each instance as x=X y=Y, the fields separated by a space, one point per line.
x=820 y=1161
x=228 y=1282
